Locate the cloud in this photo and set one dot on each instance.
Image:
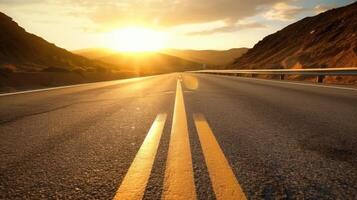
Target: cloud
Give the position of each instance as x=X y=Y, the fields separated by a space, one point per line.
x=161 y=13
x=228 y=29
x=19 y=2
x=321 y=8
x=173 y=12
x=283 y=12
x=112 y=14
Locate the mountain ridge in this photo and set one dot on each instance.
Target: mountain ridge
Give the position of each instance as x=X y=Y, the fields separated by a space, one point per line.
x=152 y=62
x=209 y=57
x=24 y=51
x=326 y=40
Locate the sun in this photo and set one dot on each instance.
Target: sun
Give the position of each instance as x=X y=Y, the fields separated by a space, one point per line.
x=136 y=39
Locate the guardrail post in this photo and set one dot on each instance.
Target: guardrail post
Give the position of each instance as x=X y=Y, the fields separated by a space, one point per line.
x=320 y=78
x=282 y=76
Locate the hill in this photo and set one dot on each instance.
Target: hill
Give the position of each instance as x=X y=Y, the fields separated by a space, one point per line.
x=21 y=51
x=28 y=62
x=94 y=53
x=326 y=40
x=209 y=57
x=142 y=62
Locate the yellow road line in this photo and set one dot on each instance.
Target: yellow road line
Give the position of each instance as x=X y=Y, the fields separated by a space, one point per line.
x=224 y=182
x=178 y=182
x=135 y=181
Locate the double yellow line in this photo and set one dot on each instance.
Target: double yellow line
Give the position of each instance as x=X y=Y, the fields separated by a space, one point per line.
x=179 y=180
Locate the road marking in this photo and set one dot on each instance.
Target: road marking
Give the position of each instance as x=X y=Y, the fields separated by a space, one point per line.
x=136 y=179
x=113 y=82
x=303 y=84
x=178 y=181
x=224 y=182
x=306 y=84
x=294 y=83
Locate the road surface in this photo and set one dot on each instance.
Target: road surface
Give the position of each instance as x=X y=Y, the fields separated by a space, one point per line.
x=180 y=136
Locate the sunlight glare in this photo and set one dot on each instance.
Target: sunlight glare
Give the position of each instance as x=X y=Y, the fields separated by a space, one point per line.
x=136 y=39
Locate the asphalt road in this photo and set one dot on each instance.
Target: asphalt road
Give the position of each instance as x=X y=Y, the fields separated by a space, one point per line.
x=281 y=140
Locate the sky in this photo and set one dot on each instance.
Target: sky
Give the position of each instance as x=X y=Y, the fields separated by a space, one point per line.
x=184 y=24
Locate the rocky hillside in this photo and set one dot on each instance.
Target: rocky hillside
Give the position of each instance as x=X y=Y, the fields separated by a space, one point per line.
x=326 y=40
x=21 y=51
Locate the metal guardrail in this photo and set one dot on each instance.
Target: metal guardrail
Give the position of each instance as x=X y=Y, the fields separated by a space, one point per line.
x=321 y=73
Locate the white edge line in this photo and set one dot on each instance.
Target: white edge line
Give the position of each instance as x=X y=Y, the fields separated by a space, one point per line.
x=293 y=83
x=305 y=84
x=75 y=85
